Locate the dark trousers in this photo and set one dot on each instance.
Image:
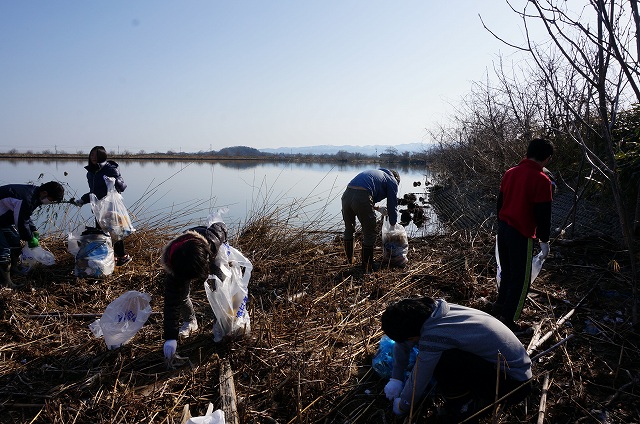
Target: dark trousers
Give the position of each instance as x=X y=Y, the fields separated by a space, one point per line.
x=515 y=252
x=463 y=376
x=9 y=239
x=118 y=246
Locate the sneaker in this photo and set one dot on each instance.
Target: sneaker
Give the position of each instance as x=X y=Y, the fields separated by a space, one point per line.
x=123 y=260
x=188 y=327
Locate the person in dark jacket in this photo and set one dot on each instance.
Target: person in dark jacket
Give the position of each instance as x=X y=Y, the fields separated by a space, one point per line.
x=97 y=169
x=17 y=203
x=524 y=215
x=188 y=257
x=358 y=201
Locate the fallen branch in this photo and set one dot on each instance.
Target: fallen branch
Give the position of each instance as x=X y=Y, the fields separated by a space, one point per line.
x=543 y=398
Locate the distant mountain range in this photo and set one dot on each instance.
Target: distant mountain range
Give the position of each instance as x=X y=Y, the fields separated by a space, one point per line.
x=365 y=150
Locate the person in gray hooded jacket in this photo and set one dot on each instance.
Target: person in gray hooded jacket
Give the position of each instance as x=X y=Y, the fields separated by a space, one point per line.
x=460 y=348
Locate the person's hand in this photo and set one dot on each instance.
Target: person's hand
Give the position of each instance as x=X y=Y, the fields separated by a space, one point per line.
x=544 y=250
x=77 y=202
x=393 y=388
x=33 y=242
x=170 y=347
x=36 y=235
x=396 y=407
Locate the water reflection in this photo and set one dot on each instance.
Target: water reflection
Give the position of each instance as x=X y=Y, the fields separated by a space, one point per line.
x=184 y=192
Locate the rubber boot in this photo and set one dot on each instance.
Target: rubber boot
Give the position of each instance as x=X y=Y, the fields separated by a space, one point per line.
x=368 y=265
x=348 y=250
x=5 y=276
x=15 y=261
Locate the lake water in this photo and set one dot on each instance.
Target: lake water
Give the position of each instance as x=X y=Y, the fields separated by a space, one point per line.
x=183 y=193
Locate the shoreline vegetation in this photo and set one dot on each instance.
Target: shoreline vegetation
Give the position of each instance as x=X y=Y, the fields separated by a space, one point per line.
x=229 y=154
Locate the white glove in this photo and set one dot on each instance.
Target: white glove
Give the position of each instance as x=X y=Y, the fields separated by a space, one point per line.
x=170 y=347
x=393 y=388
x=78 y=202
x=544 y=249
x=396 y=407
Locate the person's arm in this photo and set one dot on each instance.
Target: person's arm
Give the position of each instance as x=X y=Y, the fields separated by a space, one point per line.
x=114 y=172
x=392 y=203
x=173 y=296
x=542 y=213
x=23 y=220
x=419 y=378
x=401 y=355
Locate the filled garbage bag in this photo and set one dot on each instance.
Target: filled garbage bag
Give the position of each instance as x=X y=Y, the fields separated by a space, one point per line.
x=94 y=253
x=122 y=318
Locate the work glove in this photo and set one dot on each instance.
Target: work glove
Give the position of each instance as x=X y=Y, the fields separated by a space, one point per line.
x=393 y=388
x=77 y=202
x=383 y=211
x=396 y=407
x=170 y=347
x=36 y=235
x=544 y=250
x=33 y=242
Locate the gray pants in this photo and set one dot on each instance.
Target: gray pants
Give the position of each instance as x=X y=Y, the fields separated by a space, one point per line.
x=359 y=204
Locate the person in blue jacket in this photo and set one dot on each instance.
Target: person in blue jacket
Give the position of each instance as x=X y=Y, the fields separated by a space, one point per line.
x=97 y=169
x=358 y=201
x=17 y=203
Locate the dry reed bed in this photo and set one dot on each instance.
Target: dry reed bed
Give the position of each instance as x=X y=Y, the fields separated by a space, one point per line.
x=315 y=327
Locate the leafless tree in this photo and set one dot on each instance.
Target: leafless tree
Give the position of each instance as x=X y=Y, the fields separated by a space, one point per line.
x=590 y=66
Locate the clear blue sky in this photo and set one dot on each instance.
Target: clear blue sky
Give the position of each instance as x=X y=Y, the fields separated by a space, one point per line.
x=192 y=75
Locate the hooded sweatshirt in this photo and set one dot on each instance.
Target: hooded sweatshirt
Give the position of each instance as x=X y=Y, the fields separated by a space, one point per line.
x=453 y=326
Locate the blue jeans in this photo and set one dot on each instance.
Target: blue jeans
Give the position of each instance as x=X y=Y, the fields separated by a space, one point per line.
x=9 y=239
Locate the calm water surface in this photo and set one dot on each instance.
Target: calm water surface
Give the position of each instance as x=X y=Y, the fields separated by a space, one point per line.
x=183 y=193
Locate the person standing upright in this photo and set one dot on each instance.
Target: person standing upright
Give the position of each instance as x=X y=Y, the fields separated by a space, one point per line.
x=524 y=214
x=358 y=201
x=97 y=169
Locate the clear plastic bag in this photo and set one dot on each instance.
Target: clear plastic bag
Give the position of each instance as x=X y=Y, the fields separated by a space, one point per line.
x=94 y=255
x=229 y=299
x=395 y=244
x=122 y=318
x=32 y=256
x=111 y=213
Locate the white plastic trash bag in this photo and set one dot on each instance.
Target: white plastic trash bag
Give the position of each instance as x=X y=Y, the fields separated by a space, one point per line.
x=229 y=299
x=536 y=266
x=395 y=244
x=122 y=319
x=211 y=417
x=32 y=256
x=111 y=212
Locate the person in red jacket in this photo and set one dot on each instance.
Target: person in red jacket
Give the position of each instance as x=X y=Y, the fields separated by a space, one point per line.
x=524 y=215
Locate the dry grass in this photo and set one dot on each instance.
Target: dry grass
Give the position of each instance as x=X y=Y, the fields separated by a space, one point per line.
x=315 y=327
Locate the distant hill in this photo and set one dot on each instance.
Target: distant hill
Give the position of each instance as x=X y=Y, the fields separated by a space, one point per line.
x=365 y=150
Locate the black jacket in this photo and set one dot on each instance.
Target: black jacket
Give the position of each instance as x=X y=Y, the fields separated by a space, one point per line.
x=17 y=203
x=97 y=184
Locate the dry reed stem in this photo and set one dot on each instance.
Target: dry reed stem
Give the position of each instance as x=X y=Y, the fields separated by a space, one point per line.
x=315 y=328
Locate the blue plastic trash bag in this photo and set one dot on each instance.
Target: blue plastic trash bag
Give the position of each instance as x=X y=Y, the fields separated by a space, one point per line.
x=382 y=362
